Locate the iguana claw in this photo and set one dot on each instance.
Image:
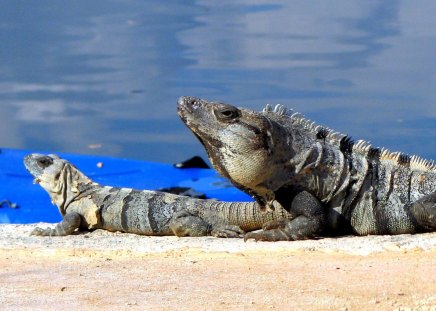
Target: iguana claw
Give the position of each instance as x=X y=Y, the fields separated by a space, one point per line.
x=227 y=231
x=268 y=235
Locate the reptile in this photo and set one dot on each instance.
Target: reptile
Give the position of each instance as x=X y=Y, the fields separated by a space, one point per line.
x=329 y=183
x=85 y=204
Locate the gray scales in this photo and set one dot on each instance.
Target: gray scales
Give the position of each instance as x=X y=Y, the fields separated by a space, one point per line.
x=329 y=183
x=87 y=205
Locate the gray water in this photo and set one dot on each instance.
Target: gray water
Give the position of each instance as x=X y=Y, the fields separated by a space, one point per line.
x=103 y=77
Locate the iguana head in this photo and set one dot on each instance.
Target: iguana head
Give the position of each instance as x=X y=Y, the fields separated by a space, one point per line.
x=57 y=176
x=44 y=168
x=238 y=141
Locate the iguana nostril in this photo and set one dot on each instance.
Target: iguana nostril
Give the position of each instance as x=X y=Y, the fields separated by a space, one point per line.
x=187 y=103
x=182 y=100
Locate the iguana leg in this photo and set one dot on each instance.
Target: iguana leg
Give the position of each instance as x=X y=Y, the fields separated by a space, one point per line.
x=424 y=211
x=186 y=223
x=67 y=226
x=309 y=221
x=275 y=224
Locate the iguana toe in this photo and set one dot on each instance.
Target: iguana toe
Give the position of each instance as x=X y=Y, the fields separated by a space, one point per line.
x=251 y=235
x=269 y=235
x=272 y=235
x=227 y=231
x=40 y=231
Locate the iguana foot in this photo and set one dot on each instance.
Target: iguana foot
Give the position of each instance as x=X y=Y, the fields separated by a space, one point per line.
x=308 y=224
x=227 y=231
x=67 y=226
x=41 y=232
x=274 y=235
x=299 y=228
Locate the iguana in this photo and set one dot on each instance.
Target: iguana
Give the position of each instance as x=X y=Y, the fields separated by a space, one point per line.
x=89 y=205
x=282 y=159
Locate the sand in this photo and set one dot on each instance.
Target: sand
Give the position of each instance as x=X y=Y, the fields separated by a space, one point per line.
x=113 y=271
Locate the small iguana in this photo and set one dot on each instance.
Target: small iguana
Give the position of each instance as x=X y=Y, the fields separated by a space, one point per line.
x=88 y=205
x=281 y=158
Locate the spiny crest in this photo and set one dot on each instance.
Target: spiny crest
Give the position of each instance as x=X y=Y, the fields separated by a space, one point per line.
x=414 y=162
x=362 y=145
x=298 y=119
x=347 y=145
x=388 y=155
x=419 y=163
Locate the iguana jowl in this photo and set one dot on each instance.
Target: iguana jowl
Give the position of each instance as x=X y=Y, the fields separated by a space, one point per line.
x=89 y=205
x=324 y=179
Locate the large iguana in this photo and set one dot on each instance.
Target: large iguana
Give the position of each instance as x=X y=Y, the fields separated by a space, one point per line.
x=88 y=205
x=281 y=158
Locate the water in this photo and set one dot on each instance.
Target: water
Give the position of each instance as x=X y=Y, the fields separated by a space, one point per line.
x=103 y=77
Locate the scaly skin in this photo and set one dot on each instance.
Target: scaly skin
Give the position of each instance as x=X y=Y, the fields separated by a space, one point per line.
x=324 y=179
x=88 y=205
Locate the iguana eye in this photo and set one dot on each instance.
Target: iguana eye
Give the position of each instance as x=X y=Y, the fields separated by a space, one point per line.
x=227 y=113
x=45 y=162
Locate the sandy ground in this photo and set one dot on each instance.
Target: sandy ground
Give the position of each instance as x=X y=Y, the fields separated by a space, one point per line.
x=114 y=271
